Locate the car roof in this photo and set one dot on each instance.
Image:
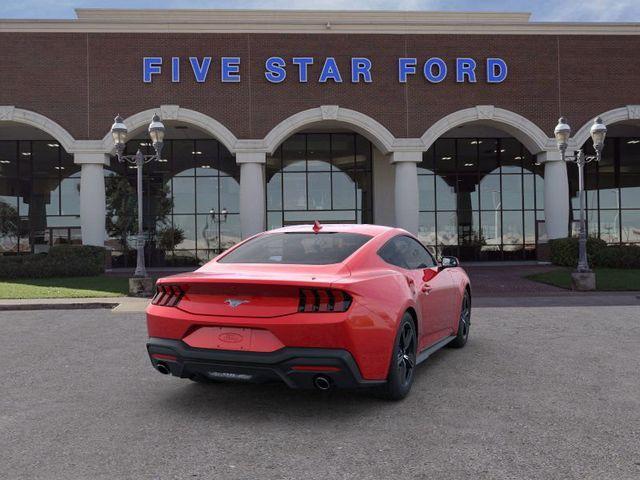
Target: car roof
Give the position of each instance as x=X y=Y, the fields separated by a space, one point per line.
x=365 y=229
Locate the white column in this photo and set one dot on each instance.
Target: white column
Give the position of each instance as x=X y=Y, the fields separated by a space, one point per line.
x=406 y=189
x=252 y=192
x=556 y=194
x=92 y=197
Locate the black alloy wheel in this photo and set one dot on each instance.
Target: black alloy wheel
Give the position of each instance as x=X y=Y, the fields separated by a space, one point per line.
x=464 y=323
x=403 y=361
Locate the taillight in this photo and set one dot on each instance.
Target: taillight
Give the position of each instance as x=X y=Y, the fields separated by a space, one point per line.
x=313 y=300
x=167 y=295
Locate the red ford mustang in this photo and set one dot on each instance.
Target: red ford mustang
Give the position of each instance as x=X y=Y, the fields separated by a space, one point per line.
x=343 y=306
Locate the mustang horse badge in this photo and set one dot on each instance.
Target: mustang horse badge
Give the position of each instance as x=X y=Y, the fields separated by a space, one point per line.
x=234 y=302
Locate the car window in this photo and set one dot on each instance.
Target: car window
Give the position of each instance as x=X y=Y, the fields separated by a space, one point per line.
x=297 y=248
x=406 y=252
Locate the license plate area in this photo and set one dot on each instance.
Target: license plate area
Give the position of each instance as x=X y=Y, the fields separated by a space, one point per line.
x=233 y=338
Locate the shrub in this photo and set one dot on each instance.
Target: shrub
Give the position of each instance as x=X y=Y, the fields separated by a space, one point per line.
x=564 y=251
x=618 y=256
x=61 y=261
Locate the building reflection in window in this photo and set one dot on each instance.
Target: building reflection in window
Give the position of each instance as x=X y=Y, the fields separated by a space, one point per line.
x=320 y=176
x=480 y=199
x=39 y=196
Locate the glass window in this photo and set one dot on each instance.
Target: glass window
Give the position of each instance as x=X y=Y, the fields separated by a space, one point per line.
x=184 y=152
x=512 y=192
x=309 y=188
x=630 y=223
x=274 y=192
x=8 y=159
x=445 y=194
x=297 y=248
x=319 y=152
x=445 y=156
x=294 y=153
x=344 y=197
x=426 y=189
x=427 y=228
x=320 y=191
x=207 y=195
x=511 y=155
x=488 y=155
x=295 y=191
x=405 y=252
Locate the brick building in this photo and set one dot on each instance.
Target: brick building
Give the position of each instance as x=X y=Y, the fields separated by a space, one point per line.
x=441 y=123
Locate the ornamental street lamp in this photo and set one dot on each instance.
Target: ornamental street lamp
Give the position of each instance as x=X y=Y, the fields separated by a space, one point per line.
x=562 y=133
x=156 y=132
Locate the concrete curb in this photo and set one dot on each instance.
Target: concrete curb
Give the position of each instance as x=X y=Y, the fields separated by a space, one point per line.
x=57 y=306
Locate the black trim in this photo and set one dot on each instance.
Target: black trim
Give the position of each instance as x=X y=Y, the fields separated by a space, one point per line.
x=260 y=367
x=424 y=354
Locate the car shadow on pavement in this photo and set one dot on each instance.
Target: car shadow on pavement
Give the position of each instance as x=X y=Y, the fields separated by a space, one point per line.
x=274 y=401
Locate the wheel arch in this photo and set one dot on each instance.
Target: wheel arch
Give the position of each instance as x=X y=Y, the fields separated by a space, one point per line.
x=414 y=316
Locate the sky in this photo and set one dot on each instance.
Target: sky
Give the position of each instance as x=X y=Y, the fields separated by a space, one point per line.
x=542 y=10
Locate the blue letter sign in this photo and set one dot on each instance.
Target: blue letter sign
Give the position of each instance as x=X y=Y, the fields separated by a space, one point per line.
x=496 y=70
x=200 y=71
x=434 y=69
x=151 y=66
x=275 y=69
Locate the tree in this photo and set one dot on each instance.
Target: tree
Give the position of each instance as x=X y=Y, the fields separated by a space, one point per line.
x=9 y=221
x=122 y=209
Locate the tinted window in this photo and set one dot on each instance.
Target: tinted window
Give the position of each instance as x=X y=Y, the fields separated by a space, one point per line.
x=297 y=248
x=406 y=252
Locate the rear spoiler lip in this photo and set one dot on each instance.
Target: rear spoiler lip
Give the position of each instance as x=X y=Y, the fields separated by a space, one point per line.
x=326 y=281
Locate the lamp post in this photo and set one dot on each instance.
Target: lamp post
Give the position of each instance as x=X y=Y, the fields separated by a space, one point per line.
x=562 y=133
x=119 y=133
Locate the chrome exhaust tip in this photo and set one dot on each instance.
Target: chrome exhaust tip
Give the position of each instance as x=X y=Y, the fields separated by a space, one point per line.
x=322 y=383
x=163 y=368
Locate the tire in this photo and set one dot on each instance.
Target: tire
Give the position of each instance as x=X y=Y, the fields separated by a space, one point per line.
x=464 y=323
x=403 y=361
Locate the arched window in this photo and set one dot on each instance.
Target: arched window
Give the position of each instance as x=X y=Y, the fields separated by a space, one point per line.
x=320 y=176
x=480 y=198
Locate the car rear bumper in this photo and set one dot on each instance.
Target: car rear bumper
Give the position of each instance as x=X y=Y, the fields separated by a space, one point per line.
x=296 y=367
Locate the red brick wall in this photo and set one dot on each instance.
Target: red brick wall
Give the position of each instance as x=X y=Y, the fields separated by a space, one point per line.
x=82 y=80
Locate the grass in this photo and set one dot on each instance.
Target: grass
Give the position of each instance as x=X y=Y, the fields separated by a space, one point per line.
x=72 y=287
x=607 y=279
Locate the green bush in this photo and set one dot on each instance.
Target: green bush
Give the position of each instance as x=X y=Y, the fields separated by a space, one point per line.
x=618 y=256
x=564 y=252
x=61 y=261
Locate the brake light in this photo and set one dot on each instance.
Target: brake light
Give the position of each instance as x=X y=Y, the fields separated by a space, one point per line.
x=167 y=295
x=318 y=300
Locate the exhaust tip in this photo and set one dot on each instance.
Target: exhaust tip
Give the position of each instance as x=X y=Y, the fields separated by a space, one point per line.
x=163 y=368
x=322 y=383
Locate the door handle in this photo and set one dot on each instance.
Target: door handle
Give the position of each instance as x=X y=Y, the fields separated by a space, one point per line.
x=426 y=288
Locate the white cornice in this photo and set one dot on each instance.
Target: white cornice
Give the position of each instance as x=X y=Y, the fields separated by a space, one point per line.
x=297 y=21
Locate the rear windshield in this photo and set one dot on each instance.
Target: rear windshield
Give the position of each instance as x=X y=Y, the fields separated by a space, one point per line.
x=298 y=248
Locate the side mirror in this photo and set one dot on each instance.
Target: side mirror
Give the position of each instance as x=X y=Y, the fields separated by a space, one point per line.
x=449 y=262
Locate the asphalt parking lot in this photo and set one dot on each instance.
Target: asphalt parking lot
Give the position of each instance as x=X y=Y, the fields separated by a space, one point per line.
x=543 y=392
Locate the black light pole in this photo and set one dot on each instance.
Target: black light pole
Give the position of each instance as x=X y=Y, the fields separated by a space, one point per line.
x=156 y=132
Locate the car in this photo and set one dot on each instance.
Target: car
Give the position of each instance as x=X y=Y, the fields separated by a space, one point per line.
x=314 y=306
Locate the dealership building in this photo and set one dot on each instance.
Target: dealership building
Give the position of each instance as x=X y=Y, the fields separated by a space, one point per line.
x=440 y=123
